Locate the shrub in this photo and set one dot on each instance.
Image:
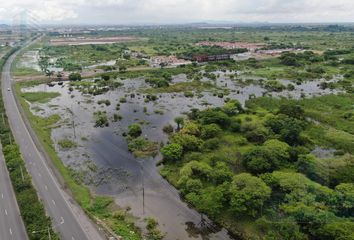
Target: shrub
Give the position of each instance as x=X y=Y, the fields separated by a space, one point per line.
x=134 y=130
x=172 y=152
x=75 y=77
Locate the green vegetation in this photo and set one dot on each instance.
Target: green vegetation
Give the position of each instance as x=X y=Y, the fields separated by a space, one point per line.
x=153 y=232
x=251 y=169
x=40 y=97
x=101 y=119
x=75 y=77
x=134 y=130
x=140 y=146
x=33 y=215
x=66 y=144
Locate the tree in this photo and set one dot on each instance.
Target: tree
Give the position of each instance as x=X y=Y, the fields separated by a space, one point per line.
x=122 y=68
x=187 y=141
x=345 y=202
x=232 y=107
x=49 y=73
x=248 y=194
x=271 y=156
x=210 y=131
x=292 y=110
x=75 y=77
x=134 y=130
x=191 y=128
x=172 y=152
x=285 y=228
x=209 y=200
x=43 y=63
x=179 y=121
x=288 y=128
x=210 y=116
x=338 y=230
x=105 y=77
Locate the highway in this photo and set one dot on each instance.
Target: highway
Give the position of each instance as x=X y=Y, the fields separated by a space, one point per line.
x=11 y=224
x=67 y=217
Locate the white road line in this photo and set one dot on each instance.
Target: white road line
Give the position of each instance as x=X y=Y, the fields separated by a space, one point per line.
x=2 y=196
x=53 y=202
x=5 y=212
x=10 y=231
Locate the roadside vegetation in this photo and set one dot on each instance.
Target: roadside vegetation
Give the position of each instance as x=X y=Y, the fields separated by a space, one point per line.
x=33 y=215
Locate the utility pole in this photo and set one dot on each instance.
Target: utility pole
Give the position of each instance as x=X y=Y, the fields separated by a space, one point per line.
x=142 y=179
x=72 y=120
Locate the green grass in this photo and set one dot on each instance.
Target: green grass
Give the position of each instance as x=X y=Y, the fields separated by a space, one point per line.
x=40 y=97
x=22 y=71
x=334 y=127
x=67 y=144
x=332 y=110
x=183 y=87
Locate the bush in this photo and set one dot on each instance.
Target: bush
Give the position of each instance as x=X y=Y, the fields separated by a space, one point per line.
x=134 y=130
x=167 y=129
x=172 y=152
x=210 y=131
x=101 y=119
x=67 y=144
x=75 y=77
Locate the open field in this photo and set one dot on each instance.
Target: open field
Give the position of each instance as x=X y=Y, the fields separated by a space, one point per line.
x=86 y=41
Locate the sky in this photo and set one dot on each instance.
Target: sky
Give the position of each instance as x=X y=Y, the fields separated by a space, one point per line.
x=175 y=11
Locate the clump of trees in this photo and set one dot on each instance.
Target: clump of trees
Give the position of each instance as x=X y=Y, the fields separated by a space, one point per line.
x=300 y=59
x=230 y=161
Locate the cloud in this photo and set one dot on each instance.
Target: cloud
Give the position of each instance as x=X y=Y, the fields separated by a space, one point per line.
x=171 y=11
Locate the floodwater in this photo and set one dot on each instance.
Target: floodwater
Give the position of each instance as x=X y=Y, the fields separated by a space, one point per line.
x=105 y=164
x=29 y=60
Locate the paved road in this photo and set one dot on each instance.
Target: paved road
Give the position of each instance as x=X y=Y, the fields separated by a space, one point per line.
x=68 y=219
x=11 y=224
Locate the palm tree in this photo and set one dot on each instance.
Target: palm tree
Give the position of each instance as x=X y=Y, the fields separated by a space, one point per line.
x=179 y=121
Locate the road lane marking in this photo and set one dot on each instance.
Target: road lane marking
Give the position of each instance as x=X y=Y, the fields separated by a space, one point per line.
x=10 y=231
x=5 y=212
x=53 y=201
x=2 y=196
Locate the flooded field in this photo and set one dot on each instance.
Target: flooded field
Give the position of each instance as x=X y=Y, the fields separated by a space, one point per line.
x=29 y=60
x=102 y=159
